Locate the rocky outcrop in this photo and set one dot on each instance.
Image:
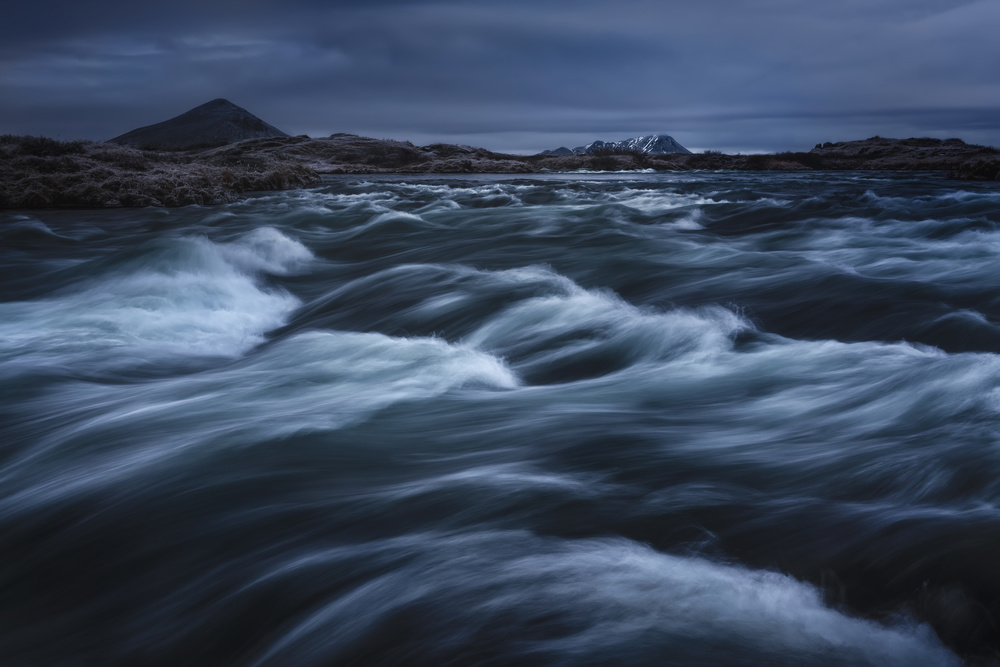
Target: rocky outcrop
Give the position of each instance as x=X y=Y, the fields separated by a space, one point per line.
x=899 y=154
x=980 y=168
x=214 y=123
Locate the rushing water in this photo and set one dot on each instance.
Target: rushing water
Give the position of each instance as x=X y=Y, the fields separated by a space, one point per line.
x=592 y=419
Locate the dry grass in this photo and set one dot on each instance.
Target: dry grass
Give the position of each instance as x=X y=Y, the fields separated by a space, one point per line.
x=37 y=172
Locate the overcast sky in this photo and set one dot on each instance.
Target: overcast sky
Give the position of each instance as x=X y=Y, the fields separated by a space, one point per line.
x=736 y=75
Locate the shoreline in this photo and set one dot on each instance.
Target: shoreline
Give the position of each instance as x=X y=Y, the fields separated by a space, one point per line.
x=40 y=173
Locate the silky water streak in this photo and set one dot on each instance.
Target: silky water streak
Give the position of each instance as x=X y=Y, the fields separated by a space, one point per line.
x=700 y=418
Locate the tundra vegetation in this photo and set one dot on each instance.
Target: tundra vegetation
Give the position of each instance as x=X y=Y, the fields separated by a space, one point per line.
x=38 y=172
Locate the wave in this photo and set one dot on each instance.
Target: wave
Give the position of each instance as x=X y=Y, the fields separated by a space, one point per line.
x=585 y=601
x=317 y=381
x=180 y=297
x=708 y=418
x=578 y=333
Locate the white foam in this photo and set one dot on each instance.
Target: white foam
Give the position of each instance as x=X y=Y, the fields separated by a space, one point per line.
x=690 y=221
x=587 y=319
x=611 y=599
x=966 y=195
x=312 y=382
x=267 y=250
x=187 y=297
x=657 y=201
x=495 y=483
x=25 y=222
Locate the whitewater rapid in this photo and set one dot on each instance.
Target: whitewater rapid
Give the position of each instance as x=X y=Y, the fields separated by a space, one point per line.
x=587 y=419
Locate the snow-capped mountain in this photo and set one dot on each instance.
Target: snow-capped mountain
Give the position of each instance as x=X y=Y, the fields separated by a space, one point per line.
x=653 y=144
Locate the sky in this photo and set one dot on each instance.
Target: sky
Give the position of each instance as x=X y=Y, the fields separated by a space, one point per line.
x=513 y=75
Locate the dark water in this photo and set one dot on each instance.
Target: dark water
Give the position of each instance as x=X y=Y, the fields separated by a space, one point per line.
x=712 y=419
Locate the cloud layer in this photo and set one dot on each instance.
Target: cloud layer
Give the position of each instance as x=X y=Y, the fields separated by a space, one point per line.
x=517 y=75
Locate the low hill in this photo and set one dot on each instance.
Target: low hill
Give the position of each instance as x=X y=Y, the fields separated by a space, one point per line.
x=214 y=123
x=902 y=154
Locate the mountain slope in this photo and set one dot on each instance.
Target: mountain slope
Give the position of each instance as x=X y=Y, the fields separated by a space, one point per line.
x=653 y=144
x=214 y=123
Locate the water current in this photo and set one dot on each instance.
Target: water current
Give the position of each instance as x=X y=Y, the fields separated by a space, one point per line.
x=697 y=418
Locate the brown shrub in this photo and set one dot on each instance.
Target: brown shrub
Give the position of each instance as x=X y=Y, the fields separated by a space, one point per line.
x=110 y=175
x=44 y=146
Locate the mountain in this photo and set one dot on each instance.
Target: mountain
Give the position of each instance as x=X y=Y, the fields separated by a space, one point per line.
x=214 y=123
x=653 y=144
x=558 y=152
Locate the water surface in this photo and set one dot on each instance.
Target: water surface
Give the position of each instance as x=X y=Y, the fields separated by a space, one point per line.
x=698 y=418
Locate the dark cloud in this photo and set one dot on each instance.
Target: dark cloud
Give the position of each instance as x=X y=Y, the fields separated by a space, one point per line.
x=517 y=75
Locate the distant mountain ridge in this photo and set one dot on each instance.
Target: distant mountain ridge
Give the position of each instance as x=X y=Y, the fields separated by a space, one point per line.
x=653 y=144
x=214 y=123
